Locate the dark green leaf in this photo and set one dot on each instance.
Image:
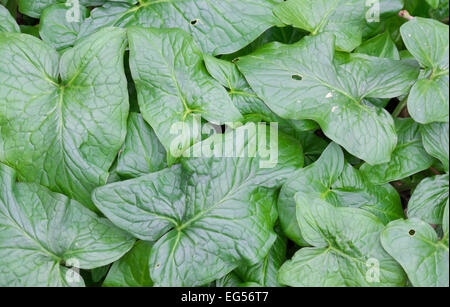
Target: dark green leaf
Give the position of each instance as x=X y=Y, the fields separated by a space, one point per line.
x=131 y=270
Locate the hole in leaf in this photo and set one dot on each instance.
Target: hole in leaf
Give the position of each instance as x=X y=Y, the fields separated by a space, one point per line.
x=412 y=232
x=194 y=22
x=158 y=265
x=235 y=60
x=297 y=77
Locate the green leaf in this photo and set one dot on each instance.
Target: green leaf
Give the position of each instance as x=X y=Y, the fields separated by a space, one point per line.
x=229 y=280
x=315 y=179
x=429 y=199
x=343 y=18
x=245 y=99
x=352 y=189
x=346 y=249
x=441 y=13
x=132 y=269
x=43 y=234
x=31 y=30
x=147 y=206
x=408 y=158
x=34 y=8
x=208 y=215
x=435 y=138
x=381 y=46
x=433 y=3
x=427 y=40
x=301 y=81
x=7 y=22
x=265 y=273
x=382 y=15
x=57 y=29
x=445 y=226
x=286 y=35
x=110 y=14
x=98 y=274
x=63 y=134
x=142 y=153
x=313 y=146
x=337 y=182
x=217 y=26
x=174 y=87
x=416 y=246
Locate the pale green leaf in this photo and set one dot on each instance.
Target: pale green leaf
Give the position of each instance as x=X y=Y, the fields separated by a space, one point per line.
x=217 y=26
x=408 y=158
x=142 y=153
x=343 y=18
x=416 y=246
x=59 y=30
x=174 y=87
x=315 y=179
x=435 y=138
x=208 y=215
x=245 y=99
x=64 y=118
x=43 y=234
x=301 y=81
x=427 y=40
x=346 y=249
x=7 y=22
x=34 y=8
x=429 y=199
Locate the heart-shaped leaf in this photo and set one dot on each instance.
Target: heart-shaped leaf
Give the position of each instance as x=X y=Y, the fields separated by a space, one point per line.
x=330 y=178
x=301 y=81
x=429 y=199
x=408 y=158
x=45 y=238
x=427 y=40
x=223 y=205
x=174 y=87
x=66 y=116
x=416 y=246
x=346 y=249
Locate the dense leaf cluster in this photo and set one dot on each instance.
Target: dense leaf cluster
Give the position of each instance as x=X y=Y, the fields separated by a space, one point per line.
x=94 y=94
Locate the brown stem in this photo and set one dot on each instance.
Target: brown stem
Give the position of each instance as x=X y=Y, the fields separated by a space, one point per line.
x=436 y=172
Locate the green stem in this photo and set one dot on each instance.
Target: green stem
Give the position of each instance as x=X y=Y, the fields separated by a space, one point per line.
x=400 y=107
